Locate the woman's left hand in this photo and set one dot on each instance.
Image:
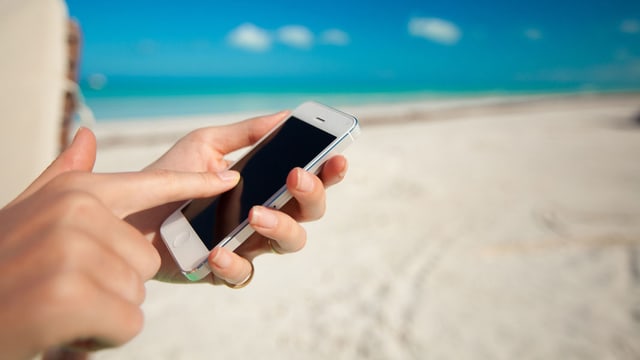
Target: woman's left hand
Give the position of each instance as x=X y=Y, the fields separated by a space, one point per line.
x=276 y=231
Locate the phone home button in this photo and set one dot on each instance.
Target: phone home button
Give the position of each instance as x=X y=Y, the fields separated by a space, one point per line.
x=181 y=239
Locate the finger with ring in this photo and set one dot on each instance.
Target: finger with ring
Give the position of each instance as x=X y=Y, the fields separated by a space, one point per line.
x=275 y=248
x=244 y=282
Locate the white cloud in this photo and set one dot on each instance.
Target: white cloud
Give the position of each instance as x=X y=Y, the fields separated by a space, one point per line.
x=253 y=38
x=296 y=36
x=250 y=37
x=434 y=29
x=630 y=26
x=533 y=34
x=335 y=37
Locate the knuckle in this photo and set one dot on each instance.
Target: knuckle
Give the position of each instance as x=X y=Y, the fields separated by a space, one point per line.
x=137 y=288
x=204 y=178
x=148 y=259
x=289 y=226
x=302 y=240
x=66 y=248
x=65 y=291
x=297 y=236
x=74 y=204
x=313 y=212
x=152 y=264
x=239 y=274
x=123 y=280
x=73 y=253
x=142 y=293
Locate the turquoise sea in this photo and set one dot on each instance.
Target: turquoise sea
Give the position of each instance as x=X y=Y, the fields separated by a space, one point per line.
x=132 y=98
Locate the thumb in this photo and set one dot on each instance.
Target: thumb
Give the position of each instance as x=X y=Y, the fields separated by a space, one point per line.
x=79 y=156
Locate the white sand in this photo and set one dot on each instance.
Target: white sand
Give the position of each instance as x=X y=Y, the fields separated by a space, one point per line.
x=488 y=230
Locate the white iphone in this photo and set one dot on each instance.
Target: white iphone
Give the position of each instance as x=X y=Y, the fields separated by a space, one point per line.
x=307 y=138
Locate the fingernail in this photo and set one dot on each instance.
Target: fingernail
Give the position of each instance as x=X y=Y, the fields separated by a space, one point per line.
x=76 y=135
x=229 y=176
x=264 y=218
x=222 y=259
x=305 y=181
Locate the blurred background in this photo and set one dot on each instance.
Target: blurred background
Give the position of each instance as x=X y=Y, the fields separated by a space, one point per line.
x=492 y=205
x=150 y=58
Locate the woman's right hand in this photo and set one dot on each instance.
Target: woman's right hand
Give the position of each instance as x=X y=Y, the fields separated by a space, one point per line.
x=73 y=271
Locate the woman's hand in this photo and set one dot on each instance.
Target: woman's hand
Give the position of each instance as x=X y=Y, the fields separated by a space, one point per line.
x=280 y=231
x=72 y=269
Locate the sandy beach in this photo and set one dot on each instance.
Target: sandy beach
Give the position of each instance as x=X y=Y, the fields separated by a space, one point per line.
x=490 y=228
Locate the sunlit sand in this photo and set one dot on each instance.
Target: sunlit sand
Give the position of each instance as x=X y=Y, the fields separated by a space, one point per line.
x=483 y=229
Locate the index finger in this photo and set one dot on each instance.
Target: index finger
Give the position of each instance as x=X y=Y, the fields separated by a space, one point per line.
x=128 y=193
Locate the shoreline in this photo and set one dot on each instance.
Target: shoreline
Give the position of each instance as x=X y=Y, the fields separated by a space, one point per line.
x=124 y=108
x=153 y=131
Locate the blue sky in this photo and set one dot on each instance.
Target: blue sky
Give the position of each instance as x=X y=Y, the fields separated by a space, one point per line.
x=431 y=45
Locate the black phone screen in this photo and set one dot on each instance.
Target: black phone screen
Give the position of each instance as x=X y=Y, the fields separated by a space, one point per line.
x=263 y=171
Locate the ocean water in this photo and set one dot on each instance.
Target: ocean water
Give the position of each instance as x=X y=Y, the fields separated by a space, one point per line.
x=140 y=107
x=135 y=98
x=131 y=98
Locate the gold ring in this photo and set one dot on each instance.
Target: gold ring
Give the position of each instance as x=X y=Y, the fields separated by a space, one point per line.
x=244 y=282
x=273 y=248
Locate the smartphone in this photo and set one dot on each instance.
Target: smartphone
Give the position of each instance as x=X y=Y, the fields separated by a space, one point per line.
x=307 y=138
